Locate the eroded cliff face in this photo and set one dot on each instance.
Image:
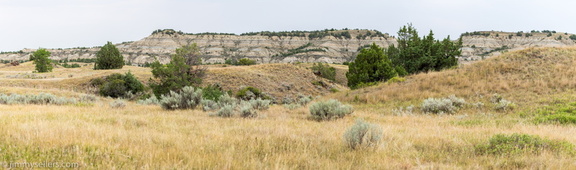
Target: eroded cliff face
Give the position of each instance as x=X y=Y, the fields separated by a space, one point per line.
x=216 y=48
x=481 y=45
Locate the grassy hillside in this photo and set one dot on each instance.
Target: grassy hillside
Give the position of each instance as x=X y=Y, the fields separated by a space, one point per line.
x=279 y=80
x=137 y=136
x=526 y=77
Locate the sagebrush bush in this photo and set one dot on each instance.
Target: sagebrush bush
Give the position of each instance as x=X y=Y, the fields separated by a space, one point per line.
x=363 y=135
x=88 y=98
x=152 y=100
x=209 y=105
x=401 y=111
x=502 y=144
x=42 y=99
x=188 y=98
x=330 y=109
x=503 y=105
x=442 y=105
x=118 y=104
x=247 y=110
x=226 y=111
x=260 y=104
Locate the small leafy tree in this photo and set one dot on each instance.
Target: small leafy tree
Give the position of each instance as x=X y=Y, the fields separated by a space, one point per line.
x=108 y=58
x=183 y=70
x=371 y=65
x=41 y=60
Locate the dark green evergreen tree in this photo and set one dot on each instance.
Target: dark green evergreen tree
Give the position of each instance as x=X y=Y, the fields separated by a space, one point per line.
x=416 y=54
x=42 y=61
x=370 y=66
x=108 y=58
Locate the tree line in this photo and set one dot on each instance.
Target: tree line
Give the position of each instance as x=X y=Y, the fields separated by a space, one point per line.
x=413 y=54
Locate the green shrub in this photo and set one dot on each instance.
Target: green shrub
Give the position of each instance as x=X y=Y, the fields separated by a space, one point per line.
x=559 y=114
x=115 y=88
x=442 y=105
x=231 y=61
x=212 y=92
x=187 y=98
x=248 y=93
x=118 y=86
x=246 y=61
x=325 y=71
x=328 y=110
x=522 y=143
x=363 y=135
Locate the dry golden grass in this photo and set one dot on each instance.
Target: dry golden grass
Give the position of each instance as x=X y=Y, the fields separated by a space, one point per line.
x=147 y=137
x=270 y=78
x=525 y=77
x=150 y=138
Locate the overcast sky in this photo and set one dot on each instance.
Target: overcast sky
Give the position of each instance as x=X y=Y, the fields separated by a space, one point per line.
x=86 y=23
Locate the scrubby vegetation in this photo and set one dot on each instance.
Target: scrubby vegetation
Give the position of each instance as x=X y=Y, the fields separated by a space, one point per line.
x=363 y=135
x=41 y=99
x=328 y=110
x=515 y=144
x=442 y=105
x=249 y=93
x=325 y=71
x=564 y=114
x=187 y=98
x=118 y=85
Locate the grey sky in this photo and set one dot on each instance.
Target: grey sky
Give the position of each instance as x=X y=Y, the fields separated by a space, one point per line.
x=73 y=23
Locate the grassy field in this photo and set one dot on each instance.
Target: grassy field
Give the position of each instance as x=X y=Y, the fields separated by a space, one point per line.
x=98 y=136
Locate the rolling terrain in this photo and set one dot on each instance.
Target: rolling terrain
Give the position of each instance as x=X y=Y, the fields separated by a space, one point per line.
x=147 y=137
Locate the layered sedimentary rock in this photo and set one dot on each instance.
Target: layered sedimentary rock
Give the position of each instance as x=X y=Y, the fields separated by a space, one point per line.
x=329 y=46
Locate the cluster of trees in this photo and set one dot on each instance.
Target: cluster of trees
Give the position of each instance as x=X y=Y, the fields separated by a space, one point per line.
x=486 y=34
x=108 y=57
x=370 y=34
x=414 y=54
x=343 y=34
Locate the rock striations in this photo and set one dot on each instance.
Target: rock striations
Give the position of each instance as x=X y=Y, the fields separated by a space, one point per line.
x=328 y=46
